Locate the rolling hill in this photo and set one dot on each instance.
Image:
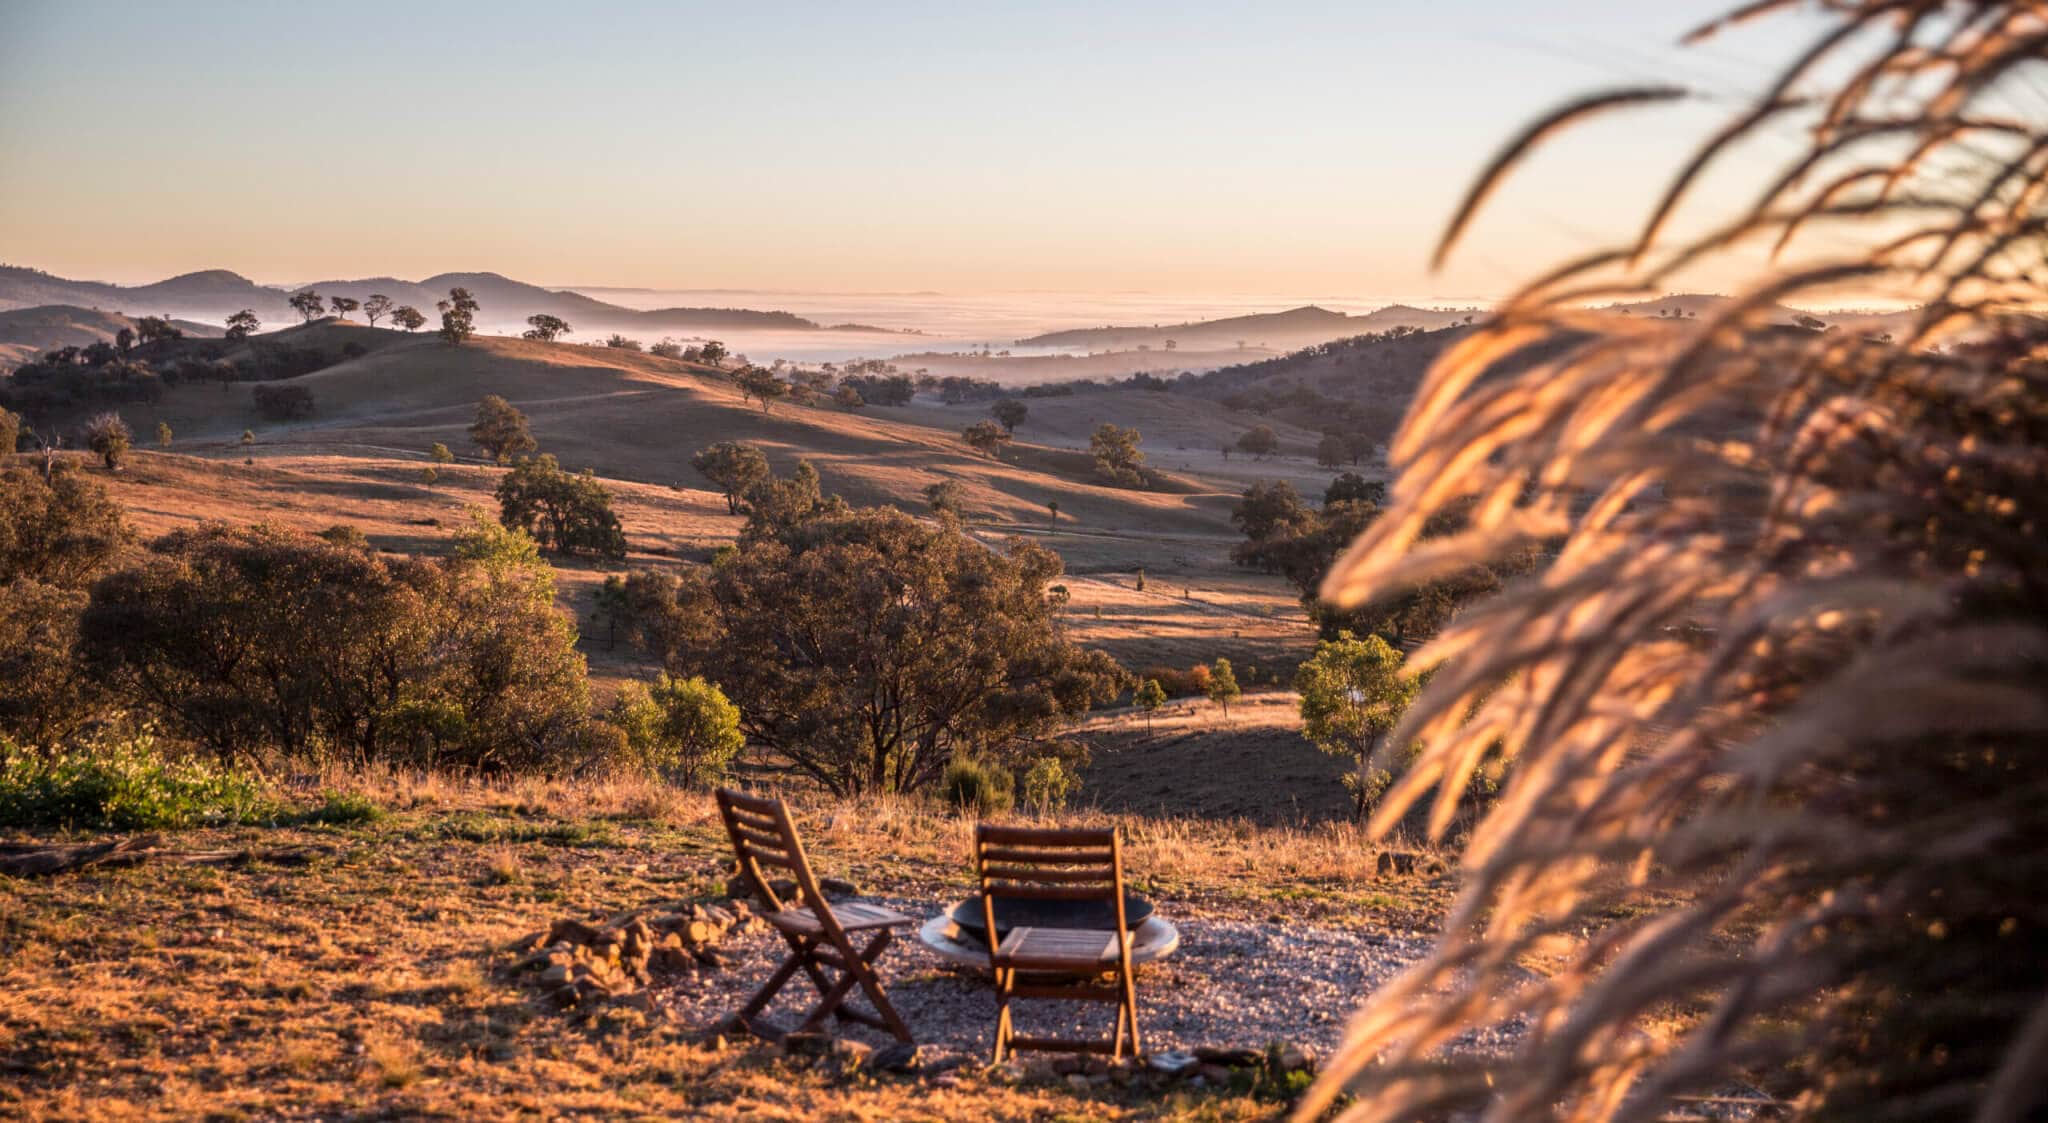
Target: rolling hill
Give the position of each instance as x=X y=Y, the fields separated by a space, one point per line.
x=1296 y=327
x=26 y=331
x=212 y=295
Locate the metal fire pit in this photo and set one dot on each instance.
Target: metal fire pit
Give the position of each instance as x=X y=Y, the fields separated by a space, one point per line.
x=957 y=934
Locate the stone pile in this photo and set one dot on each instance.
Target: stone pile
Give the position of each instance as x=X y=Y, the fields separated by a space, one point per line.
x=577 y=964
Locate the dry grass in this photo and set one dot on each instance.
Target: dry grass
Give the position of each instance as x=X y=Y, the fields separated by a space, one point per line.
x=358 y=984
x=1774 y=709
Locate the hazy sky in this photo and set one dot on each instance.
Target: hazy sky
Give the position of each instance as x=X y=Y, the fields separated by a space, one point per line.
x=1307 y=148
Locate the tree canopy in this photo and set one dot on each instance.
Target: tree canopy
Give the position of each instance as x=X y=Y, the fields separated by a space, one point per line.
x=568 y=512
x=500 y=430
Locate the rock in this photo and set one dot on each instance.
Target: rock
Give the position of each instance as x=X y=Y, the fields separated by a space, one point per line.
x=1066 y=1065
x=894 y=1057
x=838 y=887
x=1214 y=1074
x=555 y=975
x=939 y=1062
x=573 y=932
x=1171 y=1063
x=1009 y=1072
x=1076 y=1080
x=1232 y=1058
x=1095 y=1079
x=1296 y=1058
x=806 y=1044
x=850 y=1053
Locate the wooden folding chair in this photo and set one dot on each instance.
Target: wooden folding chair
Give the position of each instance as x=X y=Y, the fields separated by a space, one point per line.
x=1057 y=865
x=819 y=935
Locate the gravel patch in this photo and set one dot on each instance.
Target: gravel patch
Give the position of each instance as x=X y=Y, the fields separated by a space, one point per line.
x=1231 y=983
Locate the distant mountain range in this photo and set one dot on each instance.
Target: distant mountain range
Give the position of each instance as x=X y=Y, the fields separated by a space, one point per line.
x=1296 y=327
x=212 y=295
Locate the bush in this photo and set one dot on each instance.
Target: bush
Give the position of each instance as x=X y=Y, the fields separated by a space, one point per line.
x=283 y=403
x=971 y=787
x=1190 y=683
x=1048 y=785
x=342 y=808
x=124 y=785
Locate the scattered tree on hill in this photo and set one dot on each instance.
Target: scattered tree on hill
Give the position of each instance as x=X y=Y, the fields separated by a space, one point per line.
x=153 y=328
x=1357 y=446
x=308 y=304
x=1259 y=442
x=987 y=438
x=612 y=606
x=500 y=430
x=1266 y=511
x=108 y=437
x=408 y=317
x=1351 y=487
x=282 y=403
x=248 y=437
x=243 y=324
x=777 y=504
x=546 y=328
x=1149 y=697
x=1010 y=412
x=124 y=340
x=451 y=663
x=1052 y=513
x=1330 y=451
x=619 y=342
x=759 y=384
x=944 y=498
x=666 y=349
x=682 y=728
x=376 y=306
x=735 y=467
x=919 y=647
x=713 y=352
x=1117 y=456
x=343 y=305
x=1352 y=692
x=848 y=397
x=163 y=434
x=1223 y=688
x=567 y=512
x=60 y=530
x=439 y=454
x=458 y=315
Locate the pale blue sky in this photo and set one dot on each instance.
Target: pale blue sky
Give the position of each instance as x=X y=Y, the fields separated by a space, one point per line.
x=1190 y=146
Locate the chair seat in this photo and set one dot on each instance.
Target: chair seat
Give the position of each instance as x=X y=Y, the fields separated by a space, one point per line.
x=1057 y=948
x=853 y=916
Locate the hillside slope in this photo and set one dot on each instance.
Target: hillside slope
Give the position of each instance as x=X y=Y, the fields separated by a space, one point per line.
x=26 y=331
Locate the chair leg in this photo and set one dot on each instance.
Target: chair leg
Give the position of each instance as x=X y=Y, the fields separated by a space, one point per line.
x=872 y=986
x=798 y=959
x=1130 y=1009
x=1004 y=979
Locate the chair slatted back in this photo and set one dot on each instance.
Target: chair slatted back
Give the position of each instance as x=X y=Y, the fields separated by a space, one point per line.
x=763 y=834
x=1048 y=865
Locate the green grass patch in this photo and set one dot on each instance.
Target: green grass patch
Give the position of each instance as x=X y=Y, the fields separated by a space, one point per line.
x=124 y=784
x=340 y=809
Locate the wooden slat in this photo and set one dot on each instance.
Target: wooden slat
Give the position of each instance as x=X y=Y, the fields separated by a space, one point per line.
x=783 y=861
x=1035 y=873
x=1048 y=893
x=766 y=824
x=1068 y=993
x=1036 y=836
x=758 y=805
x=1042 y=856
x=766 y=841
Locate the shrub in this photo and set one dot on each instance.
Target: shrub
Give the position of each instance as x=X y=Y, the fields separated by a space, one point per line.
x=1048 y=785
x=568 y=512
x=684 y=728
x=1190 y=683
x=124 y=785
x=282 y=403
x=973 y=788
x=338 y=809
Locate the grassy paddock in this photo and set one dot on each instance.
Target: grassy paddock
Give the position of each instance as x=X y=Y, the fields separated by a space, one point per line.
x=360 y=983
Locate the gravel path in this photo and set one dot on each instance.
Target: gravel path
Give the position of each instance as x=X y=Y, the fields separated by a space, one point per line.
x=1232 y=983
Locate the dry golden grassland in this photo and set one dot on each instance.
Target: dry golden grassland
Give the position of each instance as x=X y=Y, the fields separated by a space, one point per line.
x=361 y=982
